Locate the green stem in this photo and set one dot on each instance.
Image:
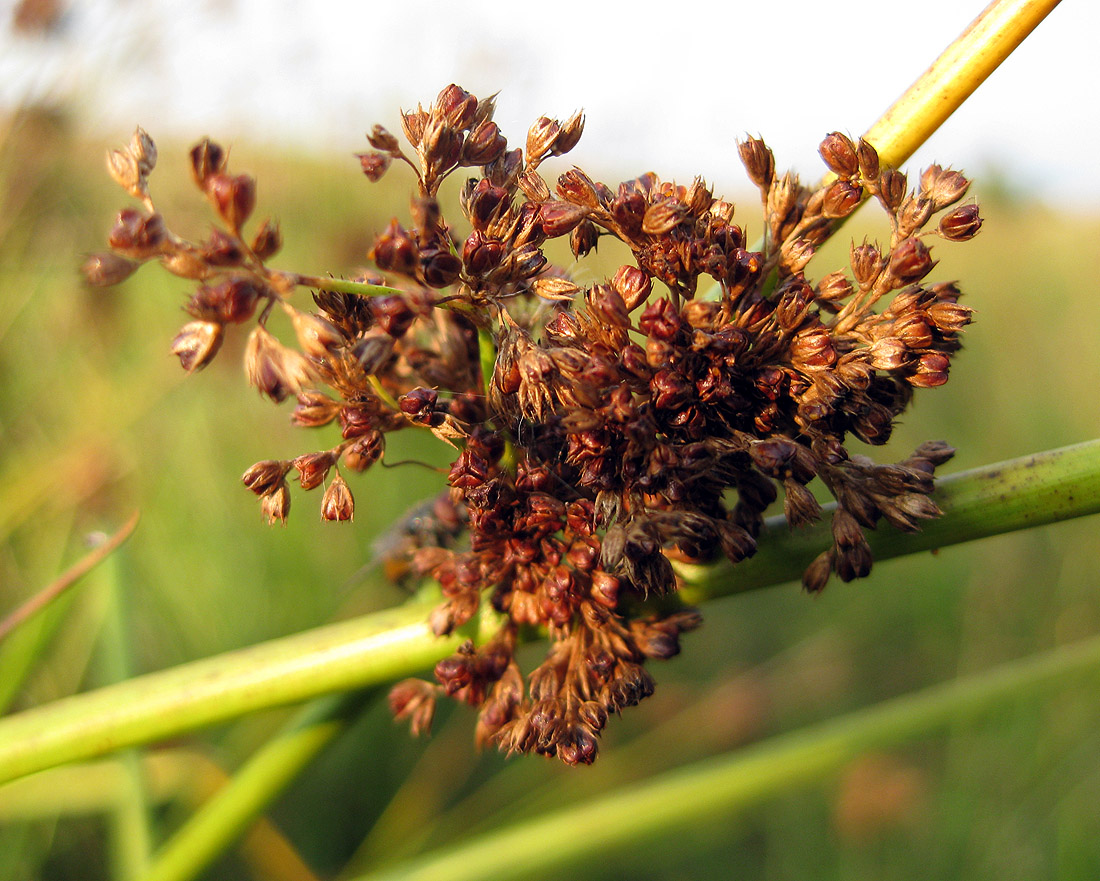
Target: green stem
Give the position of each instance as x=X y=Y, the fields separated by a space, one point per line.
x=1019 y=494
x=386 y=646
x=212 y=829
x=128 y=820
x=541 y=847
x=343 y=286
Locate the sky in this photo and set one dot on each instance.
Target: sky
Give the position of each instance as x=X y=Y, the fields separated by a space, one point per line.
x=669 y=90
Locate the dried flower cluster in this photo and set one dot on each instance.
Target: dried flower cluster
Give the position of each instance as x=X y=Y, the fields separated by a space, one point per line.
x=601 y=432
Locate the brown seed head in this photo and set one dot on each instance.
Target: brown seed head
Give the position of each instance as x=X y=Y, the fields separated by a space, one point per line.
x=758 y=161
x=892 y=188
x=839 y=154
x=841 y=198
x=962 y=224
x=138 y=235
x=381 y=139
x=868 y=160
x=485 y=144
x=337 y=502
x=866 y=262
x=143 y=150
x=267 y=241
x=313 y=468
x=540 y=139
x=104 y=270
x=233 y=197
x=275 y=505
x=207 y=158
x=457 y=106
x=943 y=186
x=374 y=164
x=911 y=261
x=263 y=477
x=197 y=343
x=126 y=172
x=560 y=218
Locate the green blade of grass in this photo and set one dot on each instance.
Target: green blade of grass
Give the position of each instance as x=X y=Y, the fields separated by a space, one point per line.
x=223 y=819
x=386 y=646
x=543 y=846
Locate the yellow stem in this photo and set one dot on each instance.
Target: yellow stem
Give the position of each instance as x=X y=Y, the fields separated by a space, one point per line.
x=954 y=76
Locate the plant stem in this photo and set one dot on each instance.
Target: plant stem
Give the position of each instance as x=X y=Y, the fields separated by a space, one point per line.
x=1018 y=494
x=128 y=819
x=67 y=579
x=386 y=646
x=343 y=286
x=215 y=826
x=953 y=77
x=541 y=847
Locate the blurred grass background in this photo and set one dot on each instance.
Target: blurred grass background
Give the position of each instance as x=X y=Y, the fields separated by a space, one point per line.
x=96 y=420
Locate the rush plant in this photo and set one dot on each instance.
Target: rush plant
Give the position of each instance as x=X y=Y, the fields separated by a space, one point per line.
x=614 y=446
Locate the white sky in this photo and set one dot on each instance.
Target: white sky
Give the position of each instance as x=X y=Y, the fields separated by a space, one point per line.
x=669 y=89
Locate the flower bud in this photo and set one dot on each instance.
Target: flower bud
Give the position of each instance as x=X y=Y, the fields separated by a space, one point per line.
x=393 y=314
x=317 y=337
x=439 y=268
x=314 y=410
x=540 y=138
x=892 y=187
x=943 y=186
x=866 y=262
x=418 y=404
x=365 y=451
x=633 y=285
x=186 y=263
x=229 y=302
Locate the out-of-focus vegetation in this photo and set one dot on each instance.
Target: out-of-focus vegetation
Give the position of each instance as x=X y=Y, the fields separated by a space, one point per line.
x=96 y=420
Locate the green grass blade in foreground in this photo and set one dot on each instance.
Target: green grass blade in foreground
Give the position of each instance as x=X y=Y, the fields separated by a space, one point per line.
x=218 y=824
x=386 y=646
x=541 y=847
x=128 y=819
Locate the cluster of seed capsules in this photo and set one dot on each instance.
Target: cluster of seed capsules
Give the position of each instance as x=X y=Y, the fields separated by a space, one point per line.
x=601 y=432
